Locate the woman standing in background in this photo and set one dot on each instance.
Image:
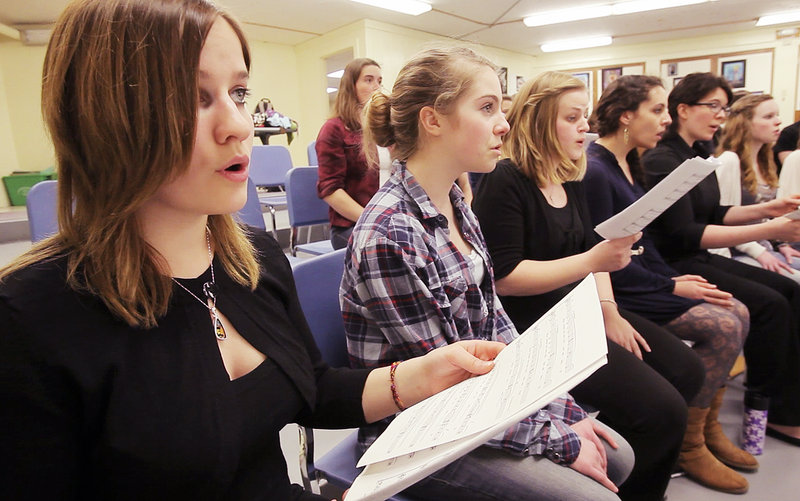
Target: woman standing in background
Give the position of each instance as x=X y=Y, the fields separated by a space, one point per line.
x=346 y=180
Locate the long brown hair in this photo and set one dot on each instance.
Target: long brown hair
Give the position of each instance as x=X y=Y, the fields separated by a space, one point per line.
x=532 y=142
x=347 y=106
x=119 y=98
x=436 y=77
x=737 y=137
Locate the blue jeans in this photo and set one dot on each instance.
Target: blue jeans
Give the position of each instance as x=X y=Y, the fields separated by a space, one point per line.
x=488 y=474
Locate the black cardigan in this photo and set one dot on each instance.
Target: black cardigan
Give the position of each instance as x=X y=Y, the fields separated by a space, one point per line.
x=91 y=408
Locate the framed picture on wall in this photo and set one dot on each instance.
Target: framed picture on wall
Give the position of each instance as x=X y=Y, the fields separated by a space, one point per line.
x=676 y=80
x=583 y=76
x=733 y=72
x=520 y=82
x=503 y=74
x=610 y=74
x=672 y=69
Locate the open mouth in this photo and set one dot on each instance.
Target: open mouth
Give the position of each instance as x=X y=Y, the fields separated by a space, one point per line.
x=235 y=168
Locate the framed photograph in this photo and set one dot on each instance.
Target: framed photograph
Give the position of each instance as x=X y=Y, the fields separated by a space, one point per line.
x=733 y=72
x=583 y=77
x=610 y=74
x=676 y=80
x=672 y=69
x=520 y=82
x=503 y=74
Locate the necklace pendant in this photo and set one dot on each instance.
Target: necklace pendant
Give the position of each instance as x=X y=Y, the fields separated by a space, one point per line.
x=219 y=329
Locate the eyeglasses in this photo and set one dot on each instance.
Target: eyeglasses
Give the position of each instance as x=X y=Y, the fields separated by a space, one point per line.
x=715 y=107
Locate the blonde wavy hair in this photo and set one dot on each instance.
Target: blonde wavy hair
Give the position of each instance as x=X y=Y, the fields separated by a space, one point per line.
x=532 y=142
x=119 y=99
x=737 y=138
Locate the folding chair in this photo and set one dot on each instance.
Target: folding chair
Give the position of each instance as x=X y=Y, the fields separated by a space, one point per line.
x=305 y=209
x=40 y=203
x=268 y=167
x=317 y=281
x=251 y=212
x=311 y=151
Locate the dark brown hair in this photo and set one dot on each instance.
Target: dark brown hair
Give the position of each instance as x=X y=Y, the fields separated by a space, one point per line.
x=690 y=90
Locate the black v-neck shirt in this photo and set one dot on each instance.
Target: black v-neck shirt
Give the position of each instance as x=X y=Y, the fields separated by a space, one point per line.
x=91 y=408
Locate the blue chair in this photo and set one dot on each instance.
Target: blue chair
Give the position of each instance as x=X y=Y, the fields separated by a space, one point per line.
x=251 y=212
x=311 y=150
x=268 y=167
x=317 y=281
x=41 y=204
x=305 y=209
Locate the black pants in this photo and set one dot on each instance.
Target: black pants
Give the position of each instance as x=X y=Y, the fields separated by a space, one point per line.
x=772 y=350
x=645 y=402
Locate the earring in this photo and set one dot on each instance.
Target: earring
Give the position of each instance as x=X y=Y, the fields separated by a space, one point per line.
x=625 y=135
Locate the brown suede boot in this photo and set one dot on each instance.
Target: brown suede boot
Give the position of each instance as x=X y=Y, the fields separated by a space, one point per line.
x=698 y=462
x=719 y=445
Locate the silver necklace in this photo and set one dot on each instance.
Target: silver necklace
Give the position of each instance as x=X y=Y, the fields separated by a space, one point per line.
x=210 y=291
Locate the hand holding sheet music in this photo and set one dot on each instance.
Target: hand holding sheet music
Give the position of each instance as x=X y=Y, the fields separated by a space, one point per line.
x=557 y=352
x=642 y=212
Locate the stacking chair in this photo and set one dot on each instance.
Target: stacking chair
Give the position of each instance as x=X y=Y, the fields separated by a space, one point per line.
x=268 y=167
x=311 y=150
x=42 y=212
x=305 y=209
x=251 y=212
x=317 y=281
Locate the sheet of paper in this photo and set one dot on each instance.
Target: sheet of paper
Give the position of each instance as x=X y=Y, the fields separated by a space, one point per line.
x=642 y=212
x=384 y=479
x=556 y=353
x=795 y=214
x=565 y=340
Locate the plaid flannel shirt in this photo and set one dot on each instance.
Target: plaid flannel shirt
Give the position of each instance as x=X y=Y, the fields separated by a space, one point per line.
x=407 y=289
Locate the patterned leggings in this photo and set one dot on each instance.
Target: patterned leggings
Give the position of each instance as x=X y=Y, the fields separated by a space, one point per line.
x=718 y=334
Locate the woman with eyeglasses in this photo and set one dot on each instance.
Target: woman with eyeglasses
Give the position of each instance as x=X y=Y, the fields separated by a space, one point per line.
x=698 y=106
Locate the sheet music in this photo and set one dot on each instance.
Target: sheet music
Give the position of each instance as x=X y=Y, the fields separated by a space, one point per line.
x=642 y=212
x=557 y=352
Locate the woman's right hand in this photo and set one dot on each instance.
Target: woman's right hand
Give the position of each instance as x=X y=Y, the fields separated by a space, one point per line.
x=784 y=229
x=771 y=263
x=612 y=255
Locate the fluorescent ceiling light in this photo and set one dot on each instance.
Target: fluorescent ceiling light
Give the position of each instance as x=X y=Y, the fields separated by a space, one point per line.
x=331 y=90
x=645 y=5
x=336 y=74
x=565 y=15
x=575 y=43
x=779 y=18
x=413 y=7
x=603 y=10
x=34 y=34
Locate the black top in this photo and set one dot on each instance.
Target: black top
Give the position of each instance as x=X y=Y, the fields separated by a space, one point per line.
x=677 y=232
x=519 y=224
x=644 y=286
x=94 y=409
x=787 y=141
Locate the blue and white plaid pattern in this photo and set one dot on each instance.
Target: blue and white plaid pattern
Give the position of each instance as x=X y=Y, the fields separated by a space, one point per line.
x=407 y=289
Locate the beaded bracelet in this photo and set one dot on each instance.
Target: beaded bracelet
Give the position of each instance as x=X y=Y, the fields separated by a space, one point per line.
x=395 y=396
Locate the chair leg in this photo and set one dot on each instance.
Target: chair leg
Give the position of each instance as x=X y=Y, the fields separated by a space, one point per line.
x=307 y=459
x=274 y=224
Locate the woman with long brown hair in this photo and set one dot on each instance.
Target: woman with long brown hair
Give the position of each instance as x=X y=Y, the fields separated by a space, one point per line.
x=153 y=348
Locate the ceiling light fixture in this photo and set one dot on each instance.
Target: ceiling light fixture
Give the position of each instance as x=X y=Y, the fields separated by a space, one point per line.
x=34 y=34
x=575 y=43
x=603 y=10
x=412 y=7
x=336 y=74
x=331 y=90
x=779 y=18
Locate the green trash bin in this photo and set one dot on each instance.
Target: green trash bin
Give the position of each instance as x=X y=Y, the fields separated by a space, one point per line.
x=19 y=183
